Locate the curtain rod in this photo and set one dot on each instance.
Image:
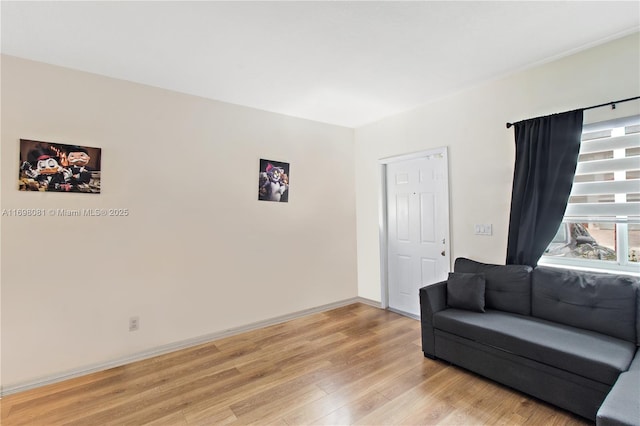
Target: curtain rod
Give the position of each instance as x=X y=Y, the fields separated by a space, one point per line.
x=612 y=103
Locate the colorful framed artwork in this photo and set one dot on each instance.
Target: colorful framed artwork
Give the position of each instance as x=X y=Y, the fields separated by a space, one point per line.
x=273 y=181
x=57 y=167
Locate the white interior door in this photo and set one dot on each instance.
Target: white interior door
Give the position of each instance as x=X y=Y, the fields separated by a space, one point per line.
x=417 y=227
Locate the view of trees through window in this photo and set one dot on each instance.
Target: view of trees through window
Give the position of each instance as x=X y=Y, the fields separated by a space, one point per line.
x=595 y=241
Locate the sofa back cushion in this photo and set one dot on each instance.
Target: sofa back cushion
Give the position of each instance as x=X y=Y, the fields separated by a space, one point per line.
x=507 y=287
x=605 y=303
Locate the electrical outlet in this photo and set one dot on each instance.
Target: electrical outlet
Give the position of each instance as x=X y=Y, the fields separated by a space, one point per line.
x=134 y=323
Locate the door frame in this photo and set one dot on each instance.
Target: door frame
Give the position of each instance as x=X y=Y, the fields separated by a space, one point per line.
x=382 y=217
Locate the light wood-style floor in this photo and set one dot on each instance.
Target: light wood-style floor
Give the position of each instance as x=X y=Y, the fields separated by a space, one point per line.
x=352 y=365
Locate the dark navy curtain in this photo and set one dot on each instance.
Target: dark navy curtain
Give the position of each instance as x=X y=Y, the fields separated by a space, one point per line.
x=546 y=157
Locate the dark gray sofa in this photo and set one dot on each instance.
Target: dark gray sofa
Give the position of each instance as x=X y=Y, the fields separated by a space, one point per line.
x=565 y=337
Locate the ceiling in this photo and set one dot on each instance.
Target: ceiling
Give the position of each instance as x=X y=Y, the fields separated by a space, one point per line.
x=342 y=62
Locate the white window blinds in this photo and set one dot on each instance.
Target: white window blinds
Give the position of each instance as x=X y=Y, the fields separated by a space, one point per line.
x=607 y=182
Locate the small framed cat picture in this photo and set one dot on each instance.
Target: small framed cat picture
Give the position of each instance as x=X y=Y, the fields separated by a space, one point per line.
x=273 y=181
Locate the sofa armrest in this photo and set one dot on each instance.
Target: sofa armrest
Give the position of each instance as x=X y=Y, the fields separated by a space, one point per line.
x=433 y=298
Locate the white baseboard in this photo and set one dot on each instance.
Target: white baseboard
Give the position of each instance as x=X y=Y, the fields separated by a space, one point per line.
x=406 y=314
x=368 y=302
x=161 y=350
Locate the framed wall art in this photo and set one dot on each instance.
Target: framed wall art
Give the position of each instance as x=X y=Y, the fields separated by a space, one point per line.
x=273 y=181
x=57 y=167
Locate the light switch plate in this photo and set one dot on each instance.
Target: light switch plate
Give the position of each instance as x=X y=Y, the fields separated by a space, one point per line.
x=484 y=229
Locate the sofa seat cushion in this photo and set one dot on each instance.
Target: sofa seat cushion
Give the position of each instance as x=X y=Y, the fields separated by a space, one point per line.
x=621 y=407
x=586 y=353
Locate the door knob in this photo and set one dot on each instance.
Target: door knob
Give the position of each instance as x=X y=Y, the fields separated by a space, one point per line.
x=442 y=253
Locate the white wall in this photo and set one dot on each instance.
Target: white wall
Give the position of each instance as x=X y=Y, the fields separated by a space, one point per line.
x=481 y=150
x=198 y=253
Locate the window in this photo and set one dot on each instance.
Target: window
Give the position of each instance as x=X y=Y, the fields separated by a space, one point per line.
x=601 y=226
